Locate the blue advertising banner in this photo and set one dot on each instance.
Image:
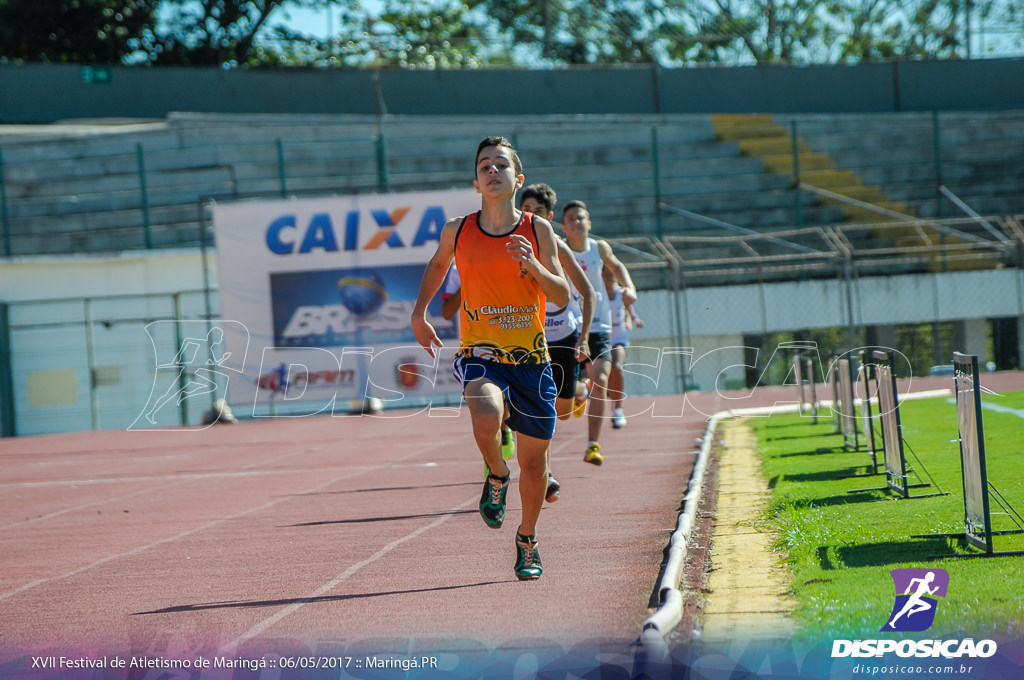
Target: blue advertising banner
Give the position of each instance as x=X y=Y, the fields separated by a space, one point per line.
x=354 y=307
x=319 y=294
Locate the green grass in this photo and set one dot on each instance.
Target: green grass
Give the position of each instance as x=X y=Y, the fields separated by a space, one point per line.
x=1010 y=400
x=841 y=545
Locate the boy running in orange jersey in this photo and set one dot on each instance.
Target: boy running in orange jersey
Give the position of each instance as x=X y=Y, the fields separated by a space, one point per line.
x=451 y=302
x=508 y=263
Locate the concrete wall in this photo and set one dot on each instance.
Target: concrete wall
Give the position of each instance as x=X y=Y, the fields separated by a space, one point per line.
x=88 y=276
x=714 y=319
x=38 y=93
x=69 y=375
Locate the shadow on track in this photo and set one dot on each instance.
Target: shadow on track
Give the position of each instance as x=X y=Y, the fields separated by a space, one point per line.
x=394 y=518
x=306 y=600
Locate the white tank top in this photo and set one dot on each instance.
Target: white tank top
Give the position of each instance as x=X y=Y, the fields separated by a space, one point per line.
x=591 y=263
x=620 y=335
x=561 y=322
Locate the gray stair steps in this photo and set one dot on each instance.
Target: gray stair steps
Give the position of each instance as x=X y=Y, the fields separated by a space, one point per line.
x=80 y=190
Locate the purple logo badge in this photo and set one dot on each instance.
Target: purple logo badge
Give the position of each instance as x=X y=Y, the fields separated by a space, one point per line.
x=916 y=590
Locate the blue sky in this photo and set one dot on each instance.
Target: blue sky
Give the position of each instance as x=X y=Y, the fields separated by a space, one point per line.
x=312 y=22
x=316 y=22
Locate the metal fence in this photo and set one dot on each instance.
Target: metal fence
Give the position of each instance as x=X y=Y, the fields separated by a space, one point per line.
x=923 y=287
x=141 y=189
x=92 y=363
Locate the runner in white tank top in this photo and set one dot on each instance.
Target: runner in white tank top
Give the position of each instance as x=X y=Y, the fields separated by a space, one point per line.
x=566 y=327
x=624 y=318
x=593 y=255
x=592 y=263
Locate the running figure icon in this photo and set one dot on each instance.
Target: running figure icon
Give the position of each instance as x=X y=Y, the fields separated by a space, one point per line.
x=193 y=382
x=917 y=593
x=914 y=603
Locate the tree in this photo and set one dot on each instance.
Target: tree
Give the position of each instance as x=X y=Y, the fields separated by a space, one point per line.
x=530 y=33
x=85 y=32
x=759 y=31
x=841 y=31
x=916 y=29
x=471 y=33
x=583 y=31
x=438 y=37
x=999 y=26
x=216 y=32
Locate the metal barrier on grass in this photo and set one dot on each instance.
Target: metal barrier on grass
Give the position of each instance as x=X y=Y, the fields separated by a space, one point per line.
x=897 y=470
x=978 y=490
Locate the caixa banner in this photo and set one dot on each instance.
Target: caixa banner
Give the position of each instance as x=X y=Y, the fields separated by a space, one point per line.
x=324 y=288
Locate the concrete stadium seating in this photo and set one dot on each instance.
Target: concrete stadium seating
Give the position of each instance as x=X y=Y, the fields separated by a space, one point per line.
x=78 y=188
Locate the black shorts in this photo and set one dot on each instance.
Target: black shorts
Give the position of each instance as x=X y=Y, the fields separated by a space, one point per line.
x=564 y=366
x=600 y=347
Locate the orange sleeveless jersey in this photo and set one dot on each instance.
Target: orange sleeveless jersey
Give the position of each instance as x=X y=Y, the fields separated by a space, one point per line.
x=502 y=316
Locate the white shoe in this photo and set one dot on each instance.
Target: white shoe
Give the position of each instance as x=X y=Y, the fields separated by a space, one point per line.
x=619 y=418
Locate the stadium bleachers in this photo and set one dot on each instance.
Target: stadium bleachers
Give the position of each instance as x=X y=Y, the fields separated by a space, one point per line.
x=979 y=156
x=128 y=185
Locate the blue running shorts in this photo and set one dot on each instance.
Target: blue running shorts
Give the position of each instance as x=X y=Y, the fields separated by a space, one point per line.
x=529 y=391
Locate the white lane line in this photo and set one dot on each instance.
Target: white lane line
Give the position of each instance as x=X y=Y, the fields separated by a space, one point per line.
x=998 y=408
x=116 y=499
x=83 y=506
x=142 y=548
x=231 y=647
x=170 y=478
x=139 y=549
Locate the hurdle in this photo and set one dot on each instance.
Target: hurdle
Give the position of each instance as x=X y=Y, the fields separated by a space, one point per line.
x=809 y=369
x=978 y=490
x=803 y=365
x=833 y=380
x=798 y=375
x=896 y=469
x=865 y=410
x=847 y=407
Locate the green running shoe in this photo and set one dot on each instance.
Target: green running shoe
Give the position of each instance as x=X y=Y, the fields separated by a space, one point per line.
x=492 y=500
x=508 y=443
x=528 y=566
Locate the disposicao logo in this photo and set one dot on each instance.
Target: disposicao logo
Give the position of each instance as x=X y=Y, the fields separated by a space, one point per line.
x=916 y=590
x=913 y=611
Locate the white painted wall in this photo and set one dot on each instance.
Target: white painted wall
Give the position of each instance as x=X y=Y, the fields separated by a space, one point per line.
x=80 y=276
x=49 y=300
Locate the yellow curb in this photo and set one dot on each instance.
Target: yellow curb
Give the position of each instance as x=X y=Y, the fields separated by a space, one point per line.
x=748 y=587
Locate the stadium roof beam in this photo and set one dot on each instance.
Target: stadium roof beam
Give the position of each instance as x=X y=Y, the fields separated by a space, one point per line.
x=917 y=222
x=967 y=209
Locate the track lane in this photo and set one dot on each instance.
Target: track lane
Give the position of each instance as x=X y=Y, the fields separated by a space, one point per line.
x=327 y=532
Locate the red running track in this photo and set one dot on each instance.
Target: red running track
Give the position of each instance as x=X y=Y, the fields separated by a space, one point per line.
x=326 y=528
x=310 y=534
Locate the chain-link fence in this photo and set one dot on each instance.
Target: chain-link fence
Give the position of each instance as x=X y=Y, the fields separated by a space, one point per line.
x=718 y=314
x=93 y=363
